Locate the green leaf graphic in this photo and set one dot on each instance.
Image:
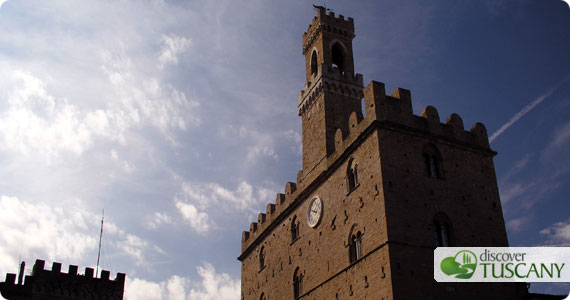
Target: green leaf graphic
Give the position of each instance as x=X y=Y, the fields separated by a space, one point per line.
x=464 y=269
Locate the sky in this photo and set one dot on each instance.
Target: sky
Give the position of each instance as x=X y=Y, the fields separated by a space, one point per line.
x=179 y=120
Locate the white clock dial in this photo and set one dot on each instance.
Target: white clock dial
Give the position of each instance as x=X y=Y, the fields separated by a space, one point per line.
x=315 y=212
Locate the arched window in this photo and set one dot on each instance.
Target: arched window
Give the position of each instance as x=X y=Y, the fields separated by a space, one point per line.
x=294 y=229
x=442 y=231
x=352 y=175
x=262 y=258
x=297 y=283
x=314 y=63
x=355 y=246
x=432 y=162
x=337 y=56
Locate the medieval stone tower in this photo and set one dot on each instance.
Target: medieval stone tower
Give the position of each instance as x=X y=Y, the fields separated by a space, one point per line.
x=378 y=192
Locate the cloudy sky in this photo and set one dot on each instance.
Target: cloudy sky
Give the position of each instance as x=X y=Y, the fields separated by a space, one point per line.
x=179 y=119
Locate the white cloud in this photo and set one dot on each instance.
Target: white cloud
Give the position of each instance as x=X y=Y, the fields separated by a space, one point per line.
x=157 y=219
x=255 y=152
x=87 y=83
x=505 y=186
x=520 y=164
x=127 y=167
x=138 y=98
x=172 y=46
x=518 y=224
x=562 y=136
x=195 y=200
x=84 y=113
x=212 y=286
x=556 y=148
x=139 y=289
x=558 y=234
x=134 y=246
x=43 y=231
x=552 y=169
x=197 y=220
x=550 y=173
x=296 y=138
x=206 y=195
x=35 y=121
x=260 y=143
x=512 y=191
x=215 y=286
x=59 y=233
x=528 y=193
x=176 y=288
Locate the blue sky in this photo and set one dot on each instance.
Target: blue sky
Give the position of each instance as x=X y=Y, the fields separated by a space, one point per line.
x=179 y=119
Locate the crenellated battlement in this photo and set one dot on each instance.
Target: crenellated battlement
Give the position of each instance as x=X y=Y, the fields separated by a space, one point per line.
x=53 y=283
x=329 y=79
x=282 y=202
x=327 y=22
x=396 y=109
x=392 y=111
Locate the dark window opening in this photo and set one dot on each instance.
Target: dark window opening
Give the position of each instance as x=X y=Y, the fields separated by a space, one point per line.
x=297 y=283
x=442 y=231
x=427 y=163
x=352 y=175
x=294 y=229
x=338 y=56
x=262 y=258
x=314 y=63
x=441 y=235
x=435 y=166
x=355 y=247
x=432 y=162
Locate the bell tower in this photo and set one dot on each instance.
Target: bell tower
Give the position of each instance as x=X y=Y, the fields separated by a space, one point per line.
x=332 y=89
x=377 y=193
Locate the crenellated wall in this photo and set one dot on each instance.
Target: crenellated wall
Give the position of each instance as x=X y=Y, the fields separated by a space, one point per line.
x=54 y=284
x=324 y=22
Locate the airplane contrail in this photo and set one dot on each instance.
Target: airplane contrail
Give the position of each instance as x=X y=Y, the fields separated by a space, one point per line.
x=519 y=115
x=525 y=110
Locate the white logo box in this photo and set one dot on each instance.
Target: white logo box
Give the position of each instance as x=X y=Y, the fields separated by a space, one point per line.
x=503 y=264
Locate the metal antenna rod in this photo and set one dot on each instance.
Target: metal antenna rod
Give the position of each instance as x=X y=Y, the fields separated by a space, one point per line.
x=100 y=239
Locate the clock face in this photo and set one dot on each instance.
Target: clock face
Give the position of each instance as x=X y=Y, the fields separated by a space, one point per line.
x=315 y=212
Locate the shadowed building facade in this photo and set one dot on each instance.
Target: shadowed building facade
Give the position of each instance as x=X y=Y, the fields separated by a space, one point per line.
x=54 y=285
x=380 y=188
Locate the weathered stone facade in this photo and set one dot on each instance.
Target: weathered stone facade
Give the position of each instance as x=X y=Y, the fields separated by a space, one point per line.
x=386 y=178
